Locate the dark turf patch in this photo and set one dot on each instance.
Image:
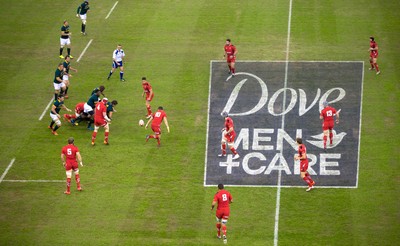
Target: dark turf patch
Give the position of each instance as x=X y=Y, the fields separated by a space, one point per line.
x=265 y=130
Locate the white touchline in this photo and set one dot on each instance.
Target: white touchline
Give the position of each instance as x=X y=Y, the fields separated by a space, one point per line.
x=32 y=181
x=47 y=108
x=7 y=169
x=84 y=50
x=278 y=190
x=113 y=7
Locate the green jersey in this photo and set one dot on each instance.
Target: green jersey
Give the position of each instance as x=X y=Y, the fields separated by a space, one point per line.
x=83 y=8
x=66 y=66
x=58 y=105
x=110 y=107
x=93 y=100
x=58 y=74
x=65 y=29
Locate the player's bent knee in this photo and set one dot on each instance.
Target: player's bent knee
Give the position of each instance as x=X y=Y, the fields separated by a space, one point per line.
x=76 y=171
x=58 y=123
x=84 y=22
x=224 y=221
x=230 y=145
x=218 y=219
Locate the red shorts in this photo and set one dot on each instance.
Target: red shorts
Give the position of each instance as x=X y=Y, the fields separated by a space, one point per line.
x=231 y=60
x=222 y=213
x=149 y=98
x=328 y=125
x=373 y=55
x=101 y=122
x=156 y=129
x=303 y=166
x=230 y=137
x=71 y=165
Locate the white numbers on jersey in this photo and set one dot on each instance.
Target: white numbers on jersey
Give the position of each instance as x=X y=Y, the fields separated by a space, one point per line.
x=329 y=113
x=158 y=114
x=69 y=151
x=98 y=107
x=224 y=197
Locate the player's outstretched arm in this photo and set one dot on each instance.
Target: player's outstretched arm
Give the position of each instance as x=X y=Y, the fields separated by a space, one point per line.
x=65 y=108
x=166 y=123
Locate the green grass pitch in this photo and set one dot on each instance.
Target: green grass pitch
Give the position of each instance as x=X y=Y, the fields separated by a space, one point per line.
x=137 y=194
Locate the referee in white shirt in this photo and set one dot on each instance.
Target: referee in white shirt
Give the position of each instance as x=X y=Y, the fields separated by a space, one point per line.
x=118 y=55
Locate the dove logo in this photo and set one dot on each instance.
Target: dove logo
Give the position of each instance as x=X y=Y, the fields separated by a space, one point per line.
x=268 y=116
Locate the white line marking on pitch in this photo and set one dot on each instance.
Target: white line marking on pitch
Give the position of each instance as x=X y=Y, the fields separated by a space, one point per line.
x=113 y=7
x=278 y=191
x=84 y=50
x=32 y=181
x=47 y=108
x=7 y=169
x=51 y=100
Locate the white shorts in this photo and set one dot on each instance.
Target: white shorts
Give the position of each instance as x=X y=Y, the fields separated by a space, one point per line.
x=65 y=41
x=83 y=17
x=54 y=117
x=65 y=77
x=58 y=87
x=87 y=108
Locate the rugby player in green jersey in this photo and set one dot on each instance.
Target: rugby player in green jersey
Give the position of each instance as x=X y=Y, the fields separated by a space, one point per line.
x=66 y=75
x=81 y=13
x=59 y=86
x=65 y=39
x=55 y=114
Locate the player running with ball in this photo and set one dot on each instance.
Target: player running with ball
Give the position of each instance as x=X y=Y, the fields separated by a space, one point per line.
x=69 y=156
x=302 y=156
x=223 y=198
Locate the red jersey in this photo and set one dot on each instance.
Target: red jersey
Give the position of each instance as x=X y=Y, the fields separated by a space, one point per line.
x=70 y=151
x=373 y=44
x=228 y=123
x=303 y=151
x=224 y=198
x=230 y=49
x=79 y=108
x=328 y=114
x=100 y=111
x=146 y=87
x=158 y=117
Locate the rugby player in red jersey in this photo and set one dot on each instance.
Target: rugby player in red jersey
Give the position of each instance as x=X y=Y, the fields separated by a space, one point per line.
x=302 y=156
x=101 y=120
x=328 y=114
x=228 y=137
x=223 y=198
x=78 y=112
x=148 y=90
x=373 y=55
x=156 y=119
x=70 y=156
x=230 y=54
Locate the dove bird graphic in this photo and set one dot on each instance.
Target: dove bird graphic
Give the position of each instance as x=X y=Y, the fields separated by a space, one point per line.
x=319 y=142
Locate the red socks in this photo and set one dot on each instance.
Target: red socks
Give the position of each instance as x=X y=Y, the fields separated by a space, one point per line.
x=233 y=70
x=376 y=67
x=148 y=110
x=233 y=151
x=78 y=180
x=94 y=136
x=224 y=230
x=106 y=136
x=68 y=184
x=330 y=137
x=372 y=64
x=223 y=147
x=218 y=229
x=158 y=140
x=325 y=138
x=308 y=179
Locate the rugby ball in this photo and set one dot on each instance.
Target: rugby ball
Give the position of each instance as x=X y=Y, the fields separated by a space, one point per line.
x=141 y=123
